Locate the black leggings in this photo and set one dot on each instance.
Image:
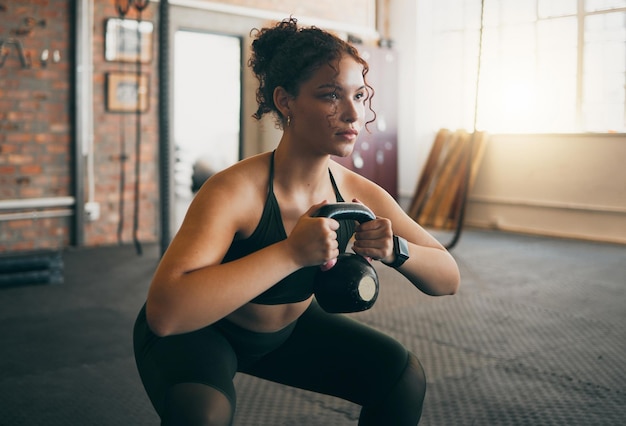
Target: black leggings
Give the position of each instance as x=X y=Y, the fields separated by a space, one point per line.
x=189 y=377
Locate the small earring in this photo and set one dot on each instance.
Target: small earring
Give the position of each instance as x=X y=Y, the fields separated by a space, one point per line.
x=288 y=120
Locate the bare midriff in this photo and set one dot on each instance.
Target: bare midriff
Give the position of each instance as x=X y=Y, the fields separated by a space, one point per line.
x=268 y=318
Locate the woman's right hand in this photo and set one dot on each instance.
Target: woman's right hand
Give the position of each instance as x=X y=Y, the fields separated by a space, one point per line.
x=313 y=240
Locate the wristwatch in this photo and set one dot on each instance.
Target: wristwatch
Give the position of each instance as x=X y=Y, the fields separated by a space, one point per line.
x=400 y=251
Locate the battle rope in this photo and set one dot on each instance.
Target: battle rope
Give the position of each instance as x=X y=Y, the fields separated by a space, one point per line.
x=465 y=190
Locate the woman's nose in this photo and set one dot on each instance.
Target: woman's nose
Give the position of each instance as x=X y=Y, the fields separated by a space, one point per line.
x=352 y=112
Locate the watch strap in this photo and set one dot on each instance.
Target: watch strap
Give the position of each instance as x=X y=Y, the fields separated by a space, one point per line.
x=400 y=251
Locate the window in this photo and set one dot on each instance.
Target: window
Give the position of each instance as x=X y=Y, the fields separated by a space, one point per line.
x=547 y=66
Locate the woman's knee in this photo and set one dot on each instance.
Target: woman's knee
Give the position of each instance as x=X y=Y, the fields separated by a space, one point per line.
x=415 y=375
x=410 y=389
x=403 y=404
x=194 y=404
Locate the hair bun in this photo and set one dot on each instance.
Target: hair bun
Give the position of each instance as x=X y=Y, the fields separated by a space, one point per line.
x=269 y=41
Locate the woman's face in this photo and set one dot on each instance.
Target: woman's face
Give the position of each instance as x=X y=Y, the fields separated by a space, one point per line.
x=329 y=111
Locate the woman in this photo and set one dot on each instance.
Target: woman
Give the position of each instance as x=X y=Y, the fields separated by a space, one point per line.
x=233 y=291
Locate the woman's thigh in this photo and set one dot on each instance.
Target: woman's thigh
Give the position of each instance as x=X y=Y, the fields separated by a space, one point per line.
x=335 y=355
x=203 y=357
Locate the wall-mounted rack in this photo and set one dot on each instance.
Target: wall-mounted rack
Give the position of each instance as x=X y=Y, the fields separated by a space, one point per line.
x=5 y=45
x=27 y=26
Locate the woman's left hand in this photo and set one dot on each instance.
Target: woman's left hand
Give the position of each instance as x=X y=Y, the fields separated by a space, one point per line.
x=374 y=239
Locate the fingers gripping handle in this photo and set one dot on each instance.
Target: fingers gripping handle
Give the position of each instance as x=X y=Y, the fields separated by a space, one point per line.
x=344 y=211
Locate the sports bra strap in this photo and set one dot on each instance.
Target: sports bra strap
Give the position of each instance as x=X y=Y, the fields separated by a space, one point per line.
x=335 y=188
x=270 y=187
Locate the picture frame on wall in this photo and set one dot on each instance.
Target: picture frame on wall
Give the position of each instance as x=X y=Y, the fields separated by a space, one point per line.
x=127 y=92
x=128 y=40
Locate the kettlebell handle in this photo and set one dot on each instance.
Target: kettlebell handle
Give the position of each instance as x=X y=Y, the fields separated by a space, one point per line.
x=345 y=211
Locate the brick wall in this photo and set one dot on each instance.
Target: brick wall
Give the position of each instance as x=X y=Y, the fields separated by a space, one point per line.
x=35 y=124
x=36 y=133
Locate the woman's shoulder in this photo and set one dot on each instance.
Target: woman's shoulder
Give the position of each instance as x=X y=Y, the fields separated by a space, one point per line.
x=240 y=186
x=253 y=164
x=353 y=185
x=234 y=195
x=247 y=174
x=350 y=180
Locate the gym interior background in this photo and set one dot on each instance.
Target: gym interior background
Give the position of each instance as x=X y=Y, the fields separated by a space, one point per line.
x=62 y=153
x=86 y=166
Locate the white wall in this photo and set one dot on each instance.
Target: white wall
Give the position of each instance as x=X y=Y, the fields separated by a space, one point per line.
x=560 y=185
x=414 y=133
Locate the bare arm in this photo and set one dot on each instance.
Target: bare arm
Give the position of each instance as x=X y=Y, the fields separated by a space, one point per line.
x=430 y=267
x=192 y=289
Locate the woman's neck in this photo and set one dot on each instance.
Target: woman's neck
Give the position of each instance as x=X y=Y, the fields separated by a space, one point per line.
x=302 y=174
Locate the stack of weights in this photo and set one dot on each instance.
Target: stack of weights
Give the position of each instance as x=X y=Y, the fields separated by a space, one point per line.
x=45 y=267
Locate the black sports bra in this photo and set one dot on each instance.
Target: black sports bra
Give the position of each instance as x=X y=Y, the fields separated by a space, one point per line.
x=297 y=286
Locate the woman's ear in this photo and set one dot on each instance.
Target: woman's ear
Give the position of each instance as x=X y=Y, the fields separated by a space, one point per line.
x=281 y=100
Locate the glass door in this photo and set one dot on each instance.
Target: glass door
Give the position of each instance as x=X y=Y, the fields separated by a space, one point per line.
x=206 y=111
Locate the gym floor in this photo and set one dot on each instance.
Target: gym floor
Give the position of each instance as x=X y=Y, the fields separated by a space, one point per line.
x=535 y=336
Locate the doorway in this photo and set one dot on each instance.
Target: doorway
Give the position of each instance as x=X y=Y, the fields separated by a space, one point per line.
x=206 y=82
x=207 y=110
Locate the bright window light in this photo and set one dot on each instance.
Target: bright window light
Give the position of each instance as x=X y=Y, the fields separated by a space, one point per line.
x=547 y=66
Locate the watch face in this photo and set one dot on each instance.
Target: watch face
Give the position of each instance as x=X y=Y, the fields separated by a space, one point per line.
x=402 y=249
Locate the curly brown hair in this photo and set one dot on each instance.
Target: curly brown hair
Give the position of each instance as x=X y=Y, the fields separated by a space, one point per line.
x=287 y=55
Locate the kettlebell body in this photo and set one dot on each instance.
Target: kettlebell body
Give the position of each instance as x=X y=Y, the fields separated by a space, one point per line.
x=351 y=285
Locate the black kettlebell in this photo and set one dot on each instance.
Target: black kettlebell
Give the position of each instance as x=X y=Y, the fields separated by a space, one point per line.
x=351 y=285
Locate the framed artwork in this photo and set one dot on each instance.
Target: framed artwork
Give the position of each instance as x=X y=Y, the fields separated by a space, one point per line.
x=128 y=40
x=127 y=92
